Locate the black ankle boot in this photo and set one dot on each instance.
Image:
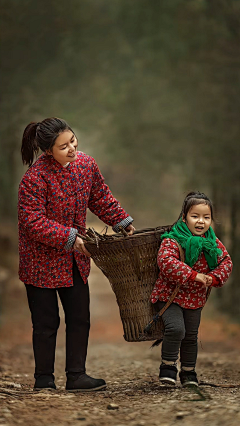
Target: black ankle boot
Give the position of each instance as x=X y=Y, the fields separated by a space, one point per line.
x=44 y=382
x=83 y=383
x=188 y=378
x=168 y=374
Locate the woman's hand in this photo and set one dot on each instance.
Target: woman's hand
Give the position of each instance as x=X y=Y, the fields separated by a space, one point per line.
x=206 y=280
x=130 y=229
x=79 y=246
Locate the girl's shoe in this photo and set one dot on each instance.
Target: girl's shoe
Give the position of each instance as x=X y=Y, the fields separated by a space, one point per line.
x=44 y=382
x=84 y=383
x=188 y=378
x=168 y=374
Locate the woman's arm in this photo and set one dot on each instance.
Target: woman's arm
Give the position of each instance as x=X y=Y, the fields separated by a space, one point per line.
x=104 y=205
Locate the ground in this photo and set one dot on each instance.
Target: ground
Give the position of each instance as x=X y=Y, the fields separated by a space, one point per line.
x=134 y=396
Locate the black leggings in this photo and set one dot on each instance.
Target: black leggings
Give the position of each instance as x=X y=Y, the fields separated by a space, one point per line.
x=43 y=304
x=181 y=332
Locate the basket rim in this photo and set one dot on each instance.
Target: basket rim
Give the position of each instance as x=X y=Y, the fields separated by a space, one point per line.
x=138 y=233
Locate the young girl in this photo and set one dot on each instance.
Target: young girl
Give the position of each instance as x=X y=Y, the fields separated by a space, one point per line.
x=54 y=195
x=207 y=264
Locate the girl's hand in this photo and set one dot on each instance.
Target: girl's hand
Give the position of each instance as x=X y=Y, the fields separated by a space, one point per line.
x=130 y=229
x=79 y=246
x=206 y=280
x=202 y=278
x=209 y=281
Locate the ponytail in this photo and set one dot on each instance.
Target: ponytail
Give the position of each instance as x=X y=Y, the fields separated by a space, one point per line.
x=29 y=147
x=41 y=136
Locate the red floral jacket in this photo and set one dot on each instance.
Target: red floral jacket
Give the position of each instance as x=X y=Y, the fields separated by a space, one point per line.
x=172 y=271
x=51 y=200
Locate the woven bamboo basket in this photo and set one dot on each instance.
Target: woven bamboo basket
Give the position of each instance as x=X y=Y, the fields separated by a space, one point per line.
x=130 y=264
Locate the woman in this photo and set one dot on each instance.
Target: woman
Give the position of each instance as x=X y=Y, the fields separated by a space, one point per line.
x=54 y=195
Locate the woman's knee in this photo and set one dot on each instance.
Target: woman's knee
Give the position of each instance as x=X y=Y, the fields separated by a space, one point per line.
x=47 y=324
x=77 y=321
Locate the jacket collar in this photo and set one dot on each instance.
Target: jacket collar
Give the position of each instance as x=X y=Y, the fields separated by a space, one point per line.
x=54 y=164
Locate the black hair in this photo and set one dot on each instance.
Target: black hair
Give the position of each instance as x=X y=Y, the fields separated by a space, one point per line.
x=42 y=136
x=193 y=199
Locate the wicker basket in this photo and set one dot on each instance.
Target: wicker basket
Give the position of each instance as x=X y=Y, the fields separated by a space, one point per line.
x=130 y=264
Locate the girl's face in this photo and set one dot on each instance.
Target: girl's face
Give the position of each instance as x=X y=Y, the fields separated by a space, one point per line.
x=198 y=219
x=65 y=148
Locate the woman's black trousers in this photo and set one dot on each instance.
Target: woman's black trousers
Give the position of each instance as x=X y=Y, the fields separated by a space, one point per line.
x=43 y=304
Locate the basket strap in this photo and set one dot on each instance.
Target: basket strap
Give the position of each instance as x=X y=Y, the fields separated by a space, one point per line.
x=176 y=290
x=208 y=292
x=172 y=297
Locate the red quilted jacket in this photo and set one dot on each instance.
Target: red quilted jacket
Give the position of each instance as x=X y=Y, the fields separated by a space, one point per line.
x=172 y=271
x=51 y=199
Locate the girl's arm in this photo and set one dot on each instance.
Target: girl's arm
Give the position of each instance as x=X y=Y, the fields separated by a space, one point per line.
x=170 y=266
x=222 y=272
x=104 y=205
x=32 y=201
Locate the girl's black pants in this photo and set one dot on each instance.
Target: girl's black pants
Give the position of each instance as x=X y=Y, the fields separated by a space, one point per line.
x=180 y=334
x=43 y=304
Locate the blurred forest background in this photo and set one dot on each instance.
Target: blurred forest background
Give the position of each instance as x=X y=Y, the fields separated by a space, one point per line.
x=152 y=89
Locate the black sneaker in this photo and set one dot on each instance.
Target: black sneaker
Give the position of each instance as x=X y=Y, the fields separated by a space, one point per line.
x=84 y=383
x=188 y=378
x=44 y=382
x=168 y=374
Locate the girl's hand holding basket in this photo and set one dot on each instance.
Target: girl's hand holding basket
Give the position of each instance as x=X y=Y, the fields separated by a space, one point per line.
x=206 y=280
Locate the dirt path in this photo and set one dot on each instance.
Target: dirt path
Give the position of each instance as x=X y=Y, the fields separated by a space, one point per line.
x=134 y=396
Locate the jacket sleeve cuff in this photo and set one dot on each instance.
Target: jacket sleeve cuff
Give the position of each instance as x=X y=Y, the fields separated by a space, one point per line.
x=71 y=239
x=192 y=276
x=215 y=280
x=124 y=223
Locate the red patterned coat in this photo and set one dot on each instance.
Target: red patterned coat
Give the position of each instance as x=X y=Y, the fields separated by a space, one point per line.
x=172 y=271
x=51 y=199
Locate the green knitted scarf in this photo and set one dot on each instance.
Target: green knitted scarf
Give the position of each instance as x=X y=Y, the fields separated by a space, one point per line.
x=194 y=245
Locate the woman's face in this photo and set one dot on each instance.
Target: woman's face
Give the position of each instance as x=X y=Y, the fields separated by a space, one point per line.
x=65 y=148
x=198 y=219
